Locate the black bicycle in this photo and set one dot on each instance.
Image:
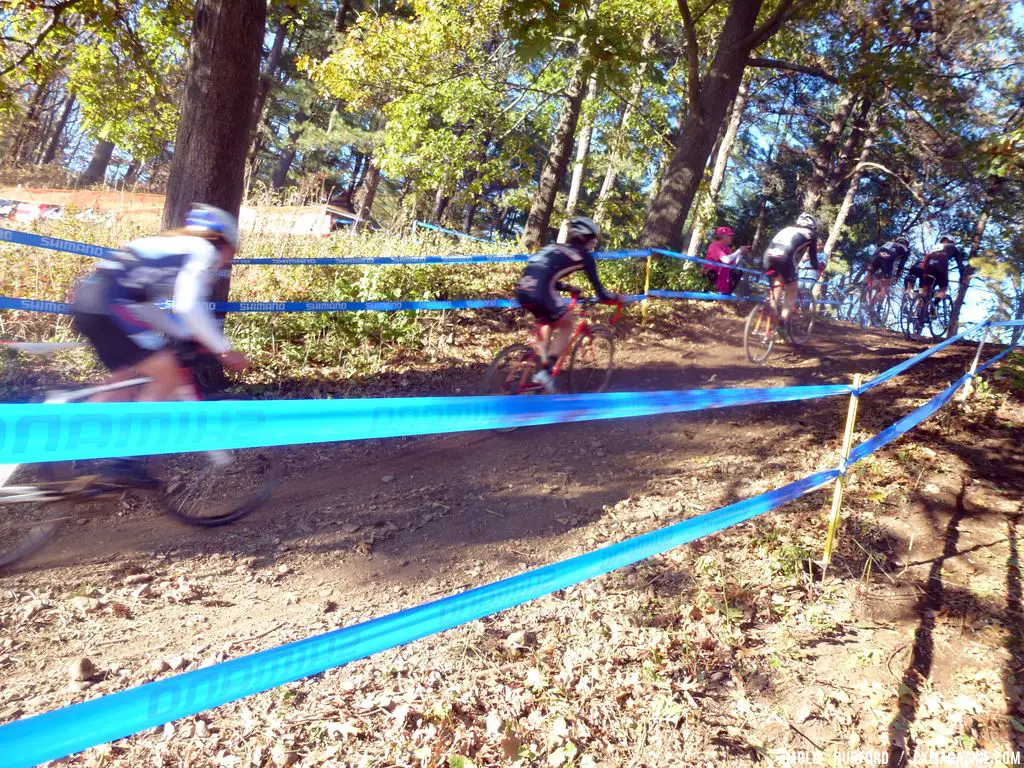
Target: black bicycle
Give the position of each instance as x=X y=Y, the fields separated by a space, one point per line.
x=924 y=312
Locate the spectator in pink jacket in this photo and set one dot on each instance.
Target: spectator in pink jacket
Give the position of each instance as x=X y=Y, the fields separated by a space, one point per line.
x=722 y=251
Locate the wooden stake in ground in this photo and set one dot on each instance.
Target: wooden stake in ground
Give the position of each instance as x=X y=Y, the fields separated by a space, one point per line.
x=837 y=494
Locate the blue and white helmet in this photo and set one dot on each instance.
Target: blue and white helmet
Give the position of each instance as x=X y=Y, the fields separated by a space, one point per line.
x=206 y=218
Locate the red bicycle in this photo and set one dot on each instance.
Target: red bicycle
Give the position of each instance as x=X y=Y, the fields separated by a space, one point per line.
x=588 y=360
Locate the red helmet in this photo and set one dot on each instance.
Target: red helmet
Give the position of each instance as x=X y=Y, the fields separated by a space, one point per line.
x=723 y=231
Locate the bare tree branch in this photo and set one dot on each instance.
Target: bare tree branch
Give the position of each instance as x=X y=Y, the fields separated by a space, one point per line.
x=783 y=13
x=789 y=66
x=57 y=9
x=692 y=56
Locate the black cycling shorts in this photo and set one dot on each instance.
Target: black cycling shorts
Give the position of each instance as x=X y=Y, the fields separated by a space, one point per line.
x=546 y=305
x=937 y=273
x=111 y=331
x=882 y=266
x=780 y=263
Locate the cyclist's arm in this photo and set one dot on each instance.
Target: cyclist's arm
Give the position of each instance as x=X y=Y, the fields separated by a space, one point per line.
x=590 y=268
x=812 y=251
x=192 y=291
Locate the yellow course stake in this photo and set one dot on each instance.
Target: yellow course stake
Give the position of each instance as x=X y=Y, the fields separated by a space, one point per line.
x=837 y=494
x=647 y=287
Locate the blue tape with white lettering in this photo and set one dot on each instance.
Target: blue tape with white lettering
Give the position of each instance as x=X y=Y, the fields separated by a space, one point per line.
x=455 y=232
x=698 y=296
x=698 y=260
x=71 y=729
x=96 y=251
x=41 y=432
x=53 y=243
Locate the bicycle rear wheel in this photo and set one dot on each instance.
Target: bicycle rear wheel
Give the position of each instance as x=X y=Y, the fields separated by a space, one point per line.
x=219 y=487
x=940 y=314
x=801 y=319
x=592 y=360
x=511 y=371
x=759 y=334
x=27 y=524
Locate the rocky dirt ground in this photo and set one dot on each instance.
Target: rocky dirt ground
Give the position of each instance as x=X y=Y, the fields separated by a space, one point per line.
x=731 y=651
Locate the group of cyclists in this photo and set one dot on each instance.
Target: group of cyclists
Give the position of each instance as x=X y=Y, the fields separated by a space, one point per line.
x=157 y=289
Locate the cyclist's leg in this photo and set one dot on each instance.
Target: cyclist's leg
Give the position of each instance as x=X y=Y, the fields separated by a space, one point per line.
x=561 y=334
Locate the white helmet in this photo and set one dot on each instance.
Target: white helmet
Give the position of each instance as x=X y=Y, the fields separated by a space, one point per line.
x=948 y=239
x=206 y=218
x=807 y=220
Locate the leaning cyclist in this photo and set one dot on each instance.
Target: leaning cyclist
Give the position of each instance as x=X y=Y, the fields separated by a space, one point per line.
x=888 y=262
x=786 y=250
x=538 y=289
x=120 y=308
x=933 y=269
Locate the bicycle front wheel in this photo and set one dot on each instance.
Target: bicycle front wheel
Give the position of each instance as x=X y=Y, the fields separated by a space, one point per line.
x=801 y=319
x=592 y=360
x=31 y=514
x=759 y=334
x=219 y=487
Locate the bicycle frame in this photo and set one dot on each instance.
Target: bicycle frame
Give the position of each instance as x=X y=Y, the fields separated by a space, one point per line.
x=582 y=328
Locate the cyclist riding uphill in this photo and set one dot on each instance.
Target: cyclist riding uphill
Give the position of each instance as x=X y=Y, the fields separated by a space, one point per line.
x=888 y=262
x=933 y=269
x=537 y=291
x=118 y=308
x=784 y=254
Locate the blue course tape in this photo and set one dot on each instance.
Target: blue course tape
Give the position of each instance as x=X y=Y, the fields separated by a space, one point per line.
x=907 y=423
x=896 y=370
x=41 y=432
x=31 y=305
x=80 y=726
x=455 y=232
x=99 y=252
x=53 y=243
x=481 y=258
x=698 y=260
x=701 y=296
x=1008 y=324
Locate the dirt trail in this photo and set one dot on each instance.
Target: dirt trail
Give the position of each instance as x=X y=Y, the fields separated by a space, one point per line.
x=360 y=529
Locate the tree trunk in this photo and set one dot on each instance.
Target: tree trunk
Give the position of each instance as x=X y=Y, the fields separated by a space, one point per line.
x=58 y=132
x=721 y=161
x=284 y=163
x=97 y=170
x=979 y=232
x=842 y=166
x=822 y=159
x=692 y=146
x=267 y=77
x=539 y=218
x=762 y=216
x=340 y=17
x=217 y=107
x=131 y=178
x=621 y=136
x=468 y=215
x=355 y=180
x=208 y=165
x=23 y=140
x=129 y=174
x=844 y=210
x=365 y=212
x=582 y=150
x=441 y=201
x=43 y=134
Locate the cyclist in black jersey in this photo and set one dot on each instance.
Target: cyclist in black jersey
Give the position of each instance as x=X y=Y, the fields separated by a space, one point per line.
x=887 y=264
x=538 y=289
x=784 y=253
x=933 y=269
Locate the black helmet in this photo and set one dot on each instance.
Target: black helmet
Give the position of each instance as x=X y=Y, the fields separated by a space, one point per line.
x=903 y=240
x=582 y=228
x=807 y=220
